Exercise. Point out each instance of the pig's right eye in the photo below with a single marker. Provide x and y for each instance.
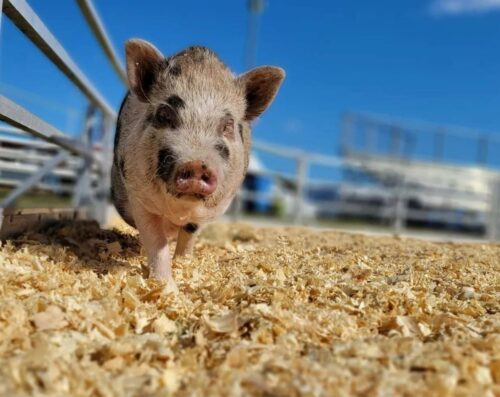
(165, 117)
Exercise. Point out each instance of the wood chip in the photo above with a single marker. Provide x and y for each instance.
(51, 318)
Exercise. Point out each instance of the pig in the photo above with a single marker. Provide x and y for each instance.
(182, 143)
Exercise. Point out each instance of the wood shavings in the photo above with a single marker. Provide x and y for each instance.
(281, 312)
(51, 318)
(223, 324)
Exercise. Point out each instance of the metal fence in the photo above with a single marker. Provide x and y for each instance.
(22, 157)
(374, 135)
(91, 160)
(393, 193)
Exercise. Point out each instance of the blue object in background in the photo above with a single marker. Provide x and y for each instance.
(261, 185)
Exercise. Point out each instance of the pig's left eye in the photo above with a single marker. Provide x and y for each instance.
(228, 128)
(165, 117)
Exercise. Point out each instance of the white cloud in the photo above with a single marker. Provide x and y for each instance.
(456, 7)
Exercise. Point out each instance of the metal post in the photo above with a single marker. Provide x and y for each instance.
(104, 182)
(238, 205)
(395, 141)
(346, 135)
(371, 138)
(255, 7)
(302, 165)
(409, 145)
(400, 206)
(482, 149)
(82, 196)
(96, 25)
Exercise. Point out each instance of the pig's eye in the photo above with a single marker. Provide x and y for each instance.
(165, 117)
(228, 128)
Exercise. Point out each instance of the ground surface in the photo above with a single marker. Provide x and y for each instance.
(266, 312)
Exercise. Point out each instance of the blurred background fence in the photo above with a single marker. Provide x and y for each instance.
(392, 176)
(65, 166)
(387, 190)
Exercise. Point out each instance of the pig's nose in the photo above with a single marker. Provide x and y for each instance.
(195, 177)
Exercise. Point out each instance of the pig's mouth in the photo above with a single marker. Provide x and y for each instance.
(189, 196)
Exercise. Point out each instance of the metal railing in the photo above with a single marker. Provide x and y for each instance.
(366, 134)
(93, 159)
(394, 197)
(21, 158)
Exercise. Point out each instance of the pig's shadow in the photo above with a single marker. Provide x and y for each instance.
(100, 250)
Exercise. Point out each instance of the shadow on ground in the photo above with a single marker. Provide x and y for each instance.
(97, 249)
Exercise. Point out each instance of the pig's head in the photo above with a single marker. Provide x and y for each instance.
(194, 119)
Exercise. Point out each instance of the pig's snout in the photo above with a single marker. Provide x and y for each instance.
(195, 177)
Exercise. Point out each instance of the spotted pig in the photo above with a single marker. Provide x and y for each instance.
(182, 143)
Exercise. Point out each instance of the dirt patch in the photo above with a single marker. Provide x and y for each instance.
(265, 312)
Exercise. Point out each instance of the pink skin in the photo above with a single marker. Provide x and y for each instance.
(195, 178)
(151, 229)
(192, 178)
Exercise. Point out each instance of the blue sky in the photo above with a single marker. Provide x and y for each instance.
(432, 60)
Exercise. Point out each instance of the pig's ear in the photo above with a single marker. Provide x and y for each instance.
(261, 85)
(143, 64)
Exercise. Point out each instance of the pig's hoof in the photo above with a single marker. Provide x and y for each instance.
(159, 275)
(171, 287)
(160, 272)
(182, 256)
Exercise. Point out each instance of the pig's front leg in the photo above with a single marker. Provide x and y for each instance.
(155, 243)
(186, 239)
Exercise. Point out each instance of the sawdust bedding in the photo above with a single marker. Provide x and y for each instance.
(265, 312)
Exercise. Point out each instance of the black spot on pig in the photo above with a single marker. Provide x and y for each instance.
(190, 228)
(165, 116)
(175, 101)
(122, 167)
(240, 130)
(166, 164)
(223, 150)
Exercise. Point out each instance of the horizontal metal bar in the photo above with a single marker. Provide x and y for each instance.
(97, 27)
(277, 150)
(32, 150)
(23, 16)
(26, 168)
(432, 216)
(41, 186)
(457, 197)
(31, 157)
(26, 140)
(343, 208)
(384, 212)
(33, 179)
(409, 191)
(425, 127)
(274, 175)
(16, 115)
